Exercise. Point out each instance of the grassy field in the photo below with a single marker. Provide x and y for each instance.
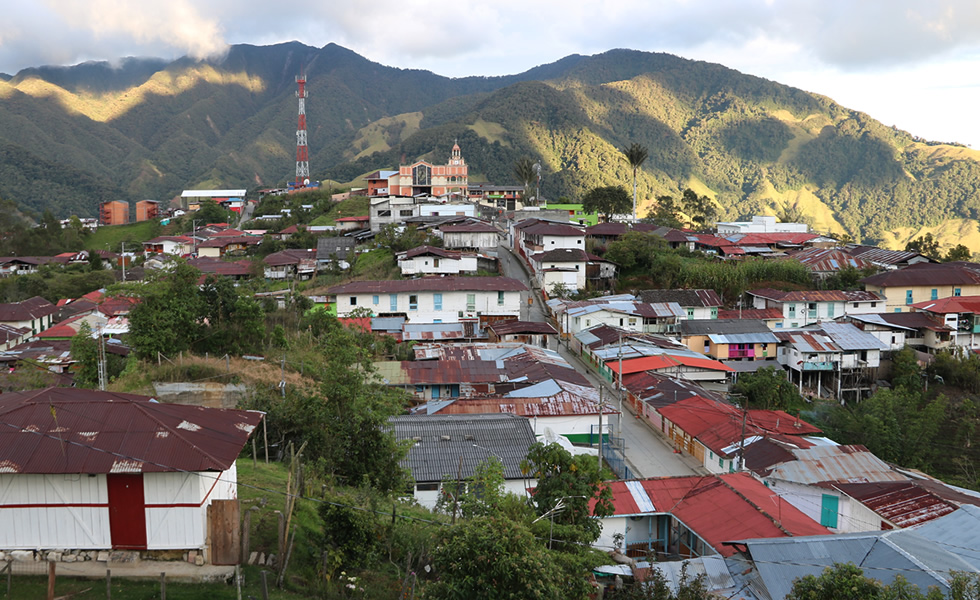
(112, 235)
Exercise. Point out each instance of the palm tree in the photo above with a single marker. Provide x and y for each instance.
(525, 172)
(636, 155)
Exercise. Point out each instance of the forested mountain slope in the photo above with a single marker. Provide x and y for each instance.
(72, 137)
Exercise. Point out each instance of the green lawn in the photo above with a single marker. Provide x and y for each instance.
(110, 236)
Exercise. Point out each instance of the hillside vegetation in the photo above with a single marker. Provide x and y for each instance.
(72, 137)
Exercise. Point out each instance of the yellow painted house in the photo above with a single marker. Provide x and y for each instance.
(924, 281)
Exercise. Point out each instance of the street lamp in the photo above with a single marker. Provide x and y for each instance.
(559, 506)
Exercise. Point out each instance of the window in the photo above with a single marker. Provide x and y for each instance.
(427, 487)
(855, 305)
(435, 262)
(934, 294)
(393, 301)
(898, 310)
(437, 301)
(500, 298)
(874, 304)
(957, 291)
(792, 311)
(384, 213)
(779, 325)
(353, 300)
(690, 314)
(721, 462)
(470, 302)
(405, 213)
(714, 312)
(413, 302)
(828, 510)
(376, 299)
(908, 296)
(830, 310)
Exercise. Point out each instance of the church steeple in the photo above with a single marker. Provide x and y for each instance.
(457, 158)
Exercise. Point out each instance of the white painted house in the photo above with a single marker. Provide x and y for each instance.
(806, 307)
(561, 266)
(34, 314)
(433, 299)
(429, 260)
(474, 235)
(535, 235)
(92, 470)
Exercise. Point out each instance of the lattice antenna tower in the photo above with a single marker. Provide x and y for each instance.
(302, 150)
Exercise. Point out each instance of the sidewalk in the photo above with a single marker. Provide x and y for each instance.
(648, 452)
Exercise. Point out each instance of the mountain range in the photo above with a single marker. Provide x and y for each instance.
(71, 137)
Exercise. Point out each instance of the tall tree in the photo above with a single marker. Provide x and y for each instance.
(85, 353)
(566, 485)
(526, 173)
(636, 155)
(700, 209)
(608, 200)
(665, 213)
(167, 318)
(767, 388)
(925, 245)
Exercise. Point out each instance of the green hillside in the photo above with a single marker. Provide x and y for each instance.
(72, 137)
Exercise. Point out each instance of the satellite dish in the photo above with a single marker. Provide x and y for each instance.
(306, 181)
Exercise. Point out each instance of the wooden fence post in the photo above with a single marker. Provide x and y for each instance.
(51, 577)
(163, 586)
(265, 585)
(108, 584)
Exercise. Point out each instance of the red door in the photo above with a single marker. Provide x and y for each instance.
(127, 512)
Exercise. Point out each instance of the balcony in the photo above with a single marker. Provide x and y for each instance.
(741, 353)
(817, 366)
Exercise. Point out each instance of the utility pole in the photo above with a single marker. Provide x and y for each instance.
(600, 428)
(741, 443)
(619, 385)
(123, 251)
(101, 358)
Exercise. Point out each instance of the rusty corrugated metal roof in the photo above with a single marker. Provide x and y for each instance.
(902, 502)
(66, 430)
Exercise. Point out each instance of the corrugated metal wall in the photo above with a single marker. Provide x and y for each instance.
(66, 511)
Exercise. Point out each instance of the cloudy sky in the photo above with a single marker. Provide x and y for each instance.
(910, 63)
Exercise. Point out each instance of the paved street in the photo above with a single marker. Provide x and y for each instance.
(648, 454)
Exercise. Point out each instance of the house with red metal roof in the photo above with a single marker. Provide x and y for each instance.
(291, 264)
(220, 245)
(173, 245)
(430, 260)
(92, 470)
(805, 307)
(686, 517)
(825, 262)
(959, 316)
(434, 299)
(813, 474)
(922, 282)
(715, 433)
(35, 314)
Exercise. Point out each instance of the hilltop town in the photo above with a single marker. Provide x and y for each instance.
(657, 396)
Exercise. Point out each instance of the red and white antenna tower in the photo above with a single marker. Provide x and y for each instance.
(302, 151)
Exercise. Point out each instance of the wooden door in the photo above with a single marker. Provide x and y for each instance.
(224, 530)
(127, 511)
